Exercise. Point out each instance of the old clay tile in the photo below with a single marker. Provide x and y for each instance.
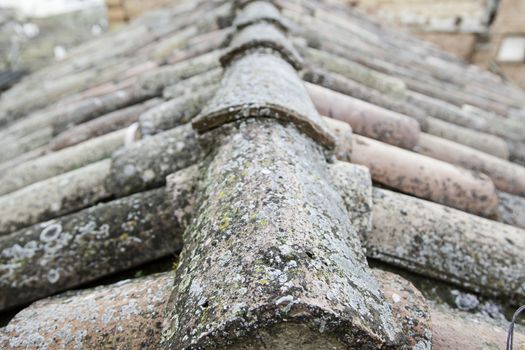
(272, 90)
(60, 162)
(426, 177)
(110, 237)
(127, 314)
(47, 199)
(260, 163)
(349, 87)
(507, 176)
(433, 240)
(259, 11)
(145, 164)
(482, 141)
(104, 124)
(511, 209)
(261, 35)
(365, 118)
(253, 257)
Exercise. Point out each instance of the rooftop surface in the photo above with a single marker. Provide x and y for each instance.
(261, 175)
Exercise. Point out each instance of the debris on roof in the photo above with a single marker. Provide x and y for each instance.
(283, 148)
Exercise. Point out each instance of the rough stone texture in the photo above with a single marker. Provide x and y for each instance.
(354, 71)
(354, 184)
(426, 177)
(53, 197)
(152, 83)
(124, 315)
(273, 89)
(365, 118)
(344, 140)
(479, 140)
(145, 164)
(107, 123)
(66, 252)
(453, 329)
(188, 86)
(260, 35)
(175, 112)
(409, 308)
(60, 162)
(289, 268)
(511, 209)
(259, 11)
(506, 176)
(349, 87)
(443, 243)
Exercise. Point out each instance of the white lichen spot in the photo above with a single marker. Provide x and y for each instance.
(130, 309)
(18, 252)
(288, 301)
(51, 232)
(148, 175)
(53, 276)
(108, 315)
(129, 170)
(285, 299)
(238, 308)
(195, 288)
(396, 298)
(331, 295)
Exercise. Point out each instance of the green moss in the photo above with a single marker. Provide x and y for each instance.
(204, 315)
(123, 236)
(175, 265)
(225, 222)
(24, 263)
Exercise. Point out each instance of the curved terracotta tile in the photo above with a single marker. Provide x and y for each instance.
(477, 254)
(506, 176)
(365, 118)
(426, 177)
(479, 140)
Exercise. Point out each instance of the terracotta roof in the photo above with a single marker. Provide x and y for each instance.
(313, 168)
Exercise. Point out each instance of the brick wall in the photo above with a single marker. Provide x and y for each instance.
(121, 11)
(475, 30)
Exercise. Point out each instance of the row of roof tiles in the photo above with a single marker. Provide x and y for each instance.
(57, 162)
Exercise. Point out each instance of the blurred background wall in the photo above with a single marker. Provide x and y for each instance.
(489, 33)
